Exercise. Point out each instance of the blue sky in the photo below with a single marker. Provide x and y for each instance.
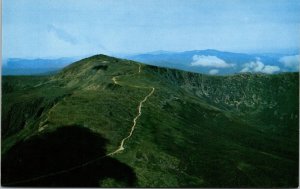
(62, 28)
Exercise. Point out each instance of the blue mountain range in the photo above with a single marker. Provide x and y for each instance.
(218, 62)
(201, 61)
(19, 66)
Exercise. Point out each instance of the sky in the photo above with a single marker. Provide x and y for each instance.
(65, 28)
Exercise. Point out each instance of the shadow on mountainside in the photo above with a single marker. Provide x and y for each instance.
(63, 149)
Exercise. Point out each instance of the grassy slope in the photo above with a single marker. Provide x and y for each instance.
(195, 130)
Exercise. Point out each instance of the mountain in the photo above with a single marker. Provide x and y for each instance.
(208, 61)
(19, 66)
(221, 63)
(111, 122)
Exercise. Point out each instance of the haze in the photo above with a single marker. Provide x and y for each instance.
(63, 28)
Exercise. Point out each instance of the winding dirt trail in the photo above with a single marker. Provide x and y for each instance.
(115, 80)
(121, 147)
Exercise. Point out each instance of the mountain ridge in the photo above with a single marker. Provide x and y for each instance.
(286, 62)
(218, 121)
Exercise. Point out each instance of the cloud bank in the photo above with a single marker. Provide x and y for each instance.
(213, 71)
(291, 61)
(258, 66)
(209, 61)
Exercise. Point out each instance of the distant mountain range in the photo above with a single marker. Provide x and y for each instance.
(200, 61)
(19, 66)
(219, 62)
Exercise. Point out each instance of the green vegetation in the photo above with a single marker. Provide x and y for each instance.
(194, 131)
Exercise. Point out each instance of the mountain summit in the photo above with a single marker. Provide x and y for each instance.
(111, 122)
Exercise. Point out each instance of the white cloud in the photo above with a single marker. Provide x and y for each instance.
(291, 61)
(270, 69)
(258, 66)
(213, 71)
(209, 61)
(246, 69)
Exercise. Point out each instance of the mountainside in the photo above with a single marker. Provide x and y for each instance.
(111, 122)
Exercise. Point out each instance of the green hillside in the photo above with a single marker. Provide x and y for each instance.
(177, 129)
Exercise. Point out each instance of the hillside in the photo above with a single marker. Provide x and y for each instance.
(111, 122)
